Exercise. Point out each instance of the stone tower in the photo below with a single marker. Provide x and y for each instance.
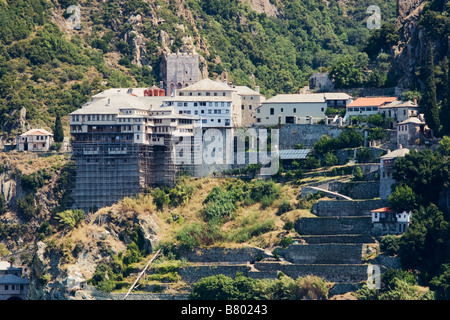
(180, 70)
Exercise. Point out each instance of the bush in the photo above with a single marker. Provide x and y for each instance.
(331, 159)
(285, 206)
(160, 198)
(70, 219)
(358, 174)
(27, 206)
(221, 287)
(390, 244)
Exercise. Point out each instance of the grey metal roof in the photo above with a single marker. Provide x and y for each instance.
(293, 154)
(12, 279)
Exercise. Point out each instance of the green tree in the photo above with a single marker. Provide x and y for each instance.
(160, 198)
(70, 219)
(358, 174)
(445, 105)
(58, 132)
(429, 99)
(425, 245)
(3, 207)
(345, 74)
(402, 198)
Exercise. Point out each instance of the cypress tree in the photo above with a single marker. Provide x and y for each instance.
(429, 100)
(58, 134)
(445, 106)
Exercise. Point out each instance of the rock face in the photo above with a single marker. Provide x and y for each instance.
(410, 52)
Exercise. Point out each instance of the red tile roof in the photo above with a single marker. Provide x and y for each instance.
(371, 102)
(385, 209)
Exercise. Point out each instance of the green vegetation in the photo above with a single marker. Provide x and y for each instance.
(219, 207)
(349, 138)
(395, 285)
(221, 287)
(421, 178)
(70, 219)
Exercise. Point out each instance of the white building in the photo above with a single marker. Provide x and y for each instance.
(13, 286)
(127, 116)
(35, 140)
(399, 111)
(306, 108)
(386, 221)
(213, 103)
(367, 106)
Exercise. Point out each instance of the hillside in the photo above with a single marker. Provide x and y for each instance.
(47, 67)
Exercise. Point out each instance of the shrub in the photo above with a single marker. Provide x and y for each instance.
(160, 198)
(331, 159)
(27, 206)
(70, 219)
(390, 244)
(285, 206)
(358, 174)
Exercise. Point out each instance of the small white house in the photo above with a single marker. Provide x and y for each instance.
(386, 221)
(34, 140)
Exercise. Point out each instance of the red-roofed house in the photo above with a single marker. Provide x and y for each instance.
(387, 221)
(34, 140)
(367, 106)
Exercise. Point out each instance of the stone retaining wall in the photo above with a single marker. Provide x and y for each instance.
(192, 274)
(334, 273)
(218, 254)
(351, 238)
(332, 208)
(332, 253)
(334, 225)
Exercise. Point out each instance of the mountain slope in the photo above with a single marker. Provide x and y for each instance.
(47, 67)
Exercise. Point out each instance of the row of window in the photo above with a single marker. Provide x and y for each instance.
(215, 111)
(202, 104)
(359, 109)
(227, 121)
(206, 94)
(8, 287)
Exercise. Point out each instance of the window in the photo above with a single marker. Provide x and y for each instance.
(283, 110)
(295, 110)
(137, 137)
(322, 109)
(219, 121)
(196, 112)
(242, 107)
(258, 119)
(204, 120)
(272, 111)
(185, 104)
(195, 104)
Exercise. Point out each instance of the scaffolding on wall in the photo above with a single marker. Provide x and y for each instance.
(109, 172)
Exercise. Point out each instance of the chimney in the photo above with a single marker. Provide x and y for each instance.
(257, 89)
(400, 146)
(415, 101)
(109, 102)
(161, 84)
